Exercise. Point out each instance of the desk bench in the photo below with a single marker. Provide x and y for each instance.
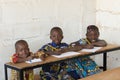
(113, 74)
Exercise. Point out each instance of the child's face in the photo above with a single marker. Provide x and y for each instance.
(22, 50)
(56, 36)
(92, 36)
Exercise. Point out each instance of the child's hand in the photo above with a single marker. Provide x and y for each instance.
(36, 55)
(89, 46)
(29, 58)
(58, 52)
(42, 57)
(75, 48)
(40, 54)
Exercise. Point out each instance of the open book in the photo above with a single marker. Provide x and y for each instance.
(34, 60)
(66, 54)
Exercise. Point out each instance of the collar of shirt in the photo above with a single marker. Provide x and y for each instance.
(61, 45)
(55, 45)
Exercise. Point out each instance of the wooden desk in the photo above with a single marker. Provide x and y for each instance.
(50, 60)
(113, 74)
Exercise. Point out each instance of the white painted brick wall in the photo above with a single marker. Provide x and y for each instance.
(108, 20)
(32, 20)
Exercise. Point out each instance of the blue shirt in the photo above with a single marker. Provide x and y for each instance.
(52, 46)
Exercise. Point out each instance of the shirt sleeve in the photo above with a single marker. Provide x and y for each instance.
(14, 58)
(64, 45)
(44, 48)
(82, 41)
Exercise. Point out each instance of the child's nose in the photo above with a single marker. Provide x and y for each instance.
(92, 37)
(57, 37)
(23, 51)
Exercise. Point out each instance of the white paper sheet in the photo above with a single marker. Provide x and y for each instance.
(66, 54)
(91, 50)
(34, 60)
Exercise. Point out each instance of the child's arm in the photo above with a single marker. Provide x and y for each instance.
(63, 50)
(16, 59)
(85, 46)
(100, 43)
(58, 52)
(40, 54)
(24, 59)
(30, 57)
(75, 48)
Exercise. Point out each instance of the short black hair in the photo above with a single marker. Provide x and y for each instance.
(20, 42)
(57, 29)
(92, 28)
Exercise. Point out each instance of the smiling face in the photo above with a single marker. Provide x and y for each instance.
(22, 49)
(92, 33)
(92, 36)
(56, 35)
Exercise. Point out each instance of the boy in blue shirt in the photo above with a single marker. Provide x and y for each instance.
(61, 70)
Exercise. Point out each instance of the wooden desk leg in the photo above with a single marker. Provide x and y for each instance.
(6, 76)
(104, 61)
(21, 75)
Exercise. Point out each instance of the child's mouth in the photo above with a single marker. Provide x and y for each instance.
(93, 40)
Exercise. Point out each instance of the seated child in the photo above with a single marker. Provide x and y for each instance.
(91, 40)
(22, 54)
(57, 71)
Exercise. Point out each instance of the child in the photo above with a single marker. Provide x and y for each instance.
(91, 40)
(57, 71)
(22, 54)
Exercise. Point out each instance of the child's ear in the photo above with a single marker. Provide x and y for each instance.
(50, 36)
(86, 34)
(28, 49)
(62, 37)
(98, 34)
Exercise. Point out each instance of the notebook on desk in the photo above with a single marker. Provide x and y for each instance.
(91, 50)
(34, 60)
(66, 54)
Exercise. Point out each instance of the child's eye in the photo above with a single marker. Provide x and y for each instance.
(53, 36)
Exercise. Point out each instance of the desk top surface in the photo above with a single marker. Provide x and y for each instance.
(113, 74)
(50, 59)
